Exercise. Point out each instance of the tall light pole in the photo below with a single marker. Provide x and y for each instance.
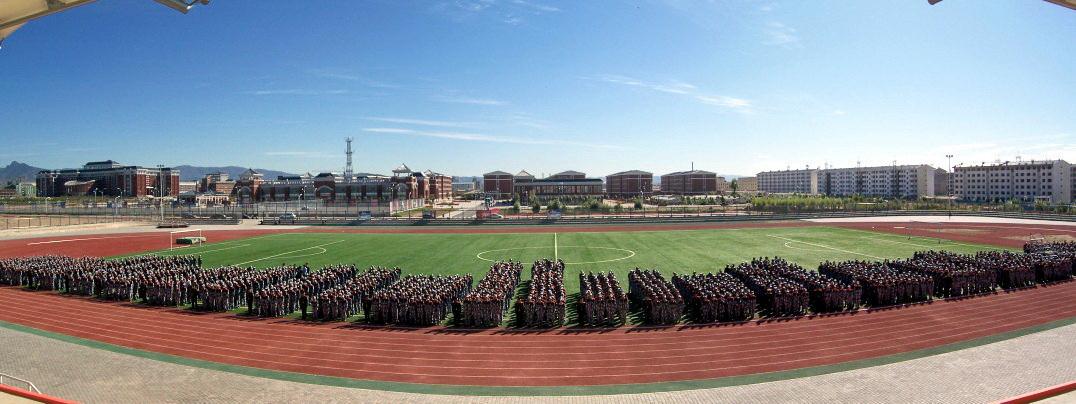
(949, 184)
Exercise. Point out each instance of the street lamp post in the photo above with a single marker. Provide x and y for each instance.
(949, 185)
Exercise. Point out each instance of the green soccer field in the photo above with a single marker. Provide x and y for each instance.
(668, 251)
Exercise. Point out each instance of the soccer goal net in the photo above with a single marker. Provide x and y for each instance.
(182, 238)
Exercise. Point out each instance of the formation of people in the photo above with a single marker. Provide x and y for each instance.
(544, 303)
(766, 286)
(418, 300)
(774, 294)
(347, 299)
(601, 300)
(657, 298)
(487, 303)
(716, 297)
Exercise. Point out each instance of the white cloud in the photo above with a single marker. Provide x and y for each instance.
(677, 87)
(470, 100)
(422, 122)
(779, 34)
(348, 76)
(478, 137)
(536, 6)
(298, 92)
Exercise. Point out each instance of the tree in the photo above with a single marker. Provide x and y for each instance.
(638, 203)
(515, 206)
(734, 186)
(554, 205)
(535, 206)
(618, 208)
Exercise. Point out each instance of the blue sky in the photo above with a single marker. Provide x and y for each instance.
(470, 86)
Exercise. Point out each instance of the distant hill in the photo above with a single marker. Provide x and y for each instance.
(16, 171)
(194, 173)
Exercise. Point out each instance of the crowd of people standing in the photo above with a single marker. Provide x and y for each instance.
(544, 303)
(657, 298)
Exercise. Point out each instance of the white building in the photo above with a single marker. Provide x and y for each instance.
(907, 181)
(788, 182)
(1049, 181)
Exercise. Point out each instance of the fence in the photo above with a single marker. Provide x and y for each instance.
(663, 217)
(8, 222)
(5, 380)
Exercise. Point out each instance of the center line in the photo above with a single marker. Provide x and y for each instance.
(555, 255)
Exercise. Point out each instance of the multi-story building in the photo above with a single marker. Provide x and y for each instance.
(629, 183)
(723, 186)
(941, 182)
(188, 187)
(440, 185)
(747, 184)
(907, 181)
(694, 182)
(498, 183)
(1029, 181)
(788, 181)
(337, 188)
(562, 184)
(26, 189)
(109, 178)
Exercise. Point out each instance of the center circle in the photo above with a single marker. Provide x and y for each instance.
(626, 253)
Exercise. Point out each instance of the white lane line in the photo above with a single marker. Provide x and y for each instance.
(556, 256)
(289, 252)
(899, 242)
(81, 239)
(826, 246)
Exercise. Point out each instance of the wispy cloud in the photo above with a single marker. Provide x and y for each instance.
(479, 137)
(335, 74)
(779, 34)
(469, 100)
(512, 12)
(422, 122)
(298, 92)
(1043, 147)
(677, 87)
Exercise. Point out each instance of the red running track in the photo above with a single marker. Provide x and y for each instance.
(551, 358)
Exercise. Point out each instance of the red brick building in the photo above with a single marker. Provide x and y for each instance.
(694, 182)
(629, 183)
(498, 183)
(109, 178)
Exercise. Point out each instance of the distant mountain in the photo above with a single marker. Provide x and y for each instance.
(194, 173)
(17, 171)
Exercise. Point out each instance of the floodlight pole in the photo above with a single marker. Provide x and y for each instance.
(949, 185)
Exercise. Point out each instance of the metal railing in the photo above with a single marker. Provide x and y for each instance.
(29, 385)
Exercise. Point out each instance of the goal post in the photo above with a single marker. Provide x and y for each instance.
(187, 237)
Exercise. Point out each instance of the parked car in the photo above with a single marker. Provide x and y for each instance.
(288, 216)
(365, 215)
(429, 214)
(496, 216)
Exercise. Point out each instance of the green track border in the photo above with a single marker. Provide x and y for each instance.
(546, 391)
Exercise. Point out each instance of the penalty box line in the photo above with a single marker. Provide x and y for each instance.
(825, 246)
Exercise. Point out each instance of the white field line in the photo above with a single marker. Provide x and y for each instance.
(81, 239)
(556, 256)
(188, 249)
(219, 249)
(825, 246)
(289, 252)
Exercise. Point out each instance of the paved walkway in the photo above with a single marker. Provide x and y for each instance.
(981, 374)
